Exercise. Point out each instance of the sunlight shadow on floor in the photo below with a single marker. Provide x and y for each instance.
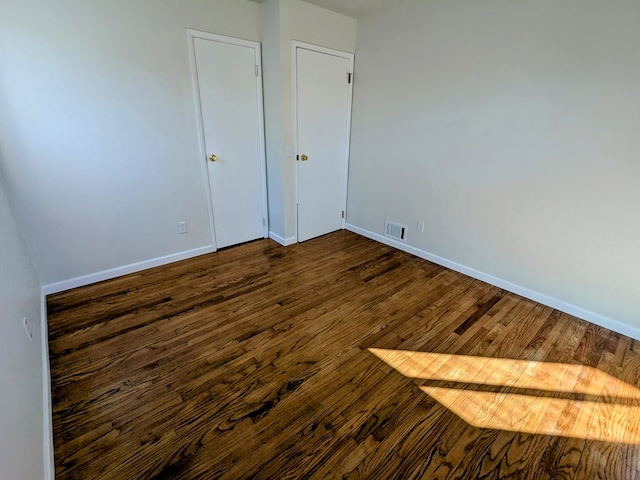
(525, 396)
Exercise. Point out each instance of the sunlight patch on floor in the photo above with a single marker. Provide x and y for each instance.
(526, 396)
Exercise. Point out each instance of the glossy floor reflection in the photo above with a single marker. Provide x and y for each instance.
(526, 396)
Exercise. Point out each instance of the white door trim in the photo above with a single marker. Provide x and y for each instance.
(191, 35)
(295, 45)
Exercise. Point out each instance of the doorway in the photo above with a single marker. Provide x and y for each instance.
(228, 90)
(323, 92)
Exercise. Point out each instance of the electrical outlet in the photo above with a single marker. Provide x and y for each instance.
(27, 328)
(182, 227)
(420, 226)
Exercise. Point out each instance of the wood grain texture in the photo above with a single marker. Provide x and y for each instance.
(254, 362)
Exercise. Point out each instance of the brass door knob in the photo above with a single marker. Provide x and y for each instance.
(304, 158)
(213, 157)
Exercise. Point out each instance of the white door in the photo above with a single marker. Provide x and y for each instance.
(231, 111)
(323, 110)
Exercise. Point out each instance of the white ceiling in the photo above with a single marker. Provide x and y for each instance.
(352, 8)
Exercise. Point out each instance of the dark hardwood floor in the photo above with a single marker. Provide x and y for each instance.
(261, 361)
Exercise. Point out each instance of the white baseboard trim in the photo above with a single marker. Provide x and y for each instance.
(47, 409)
(124, 270)
(281, 240)
(547, 300)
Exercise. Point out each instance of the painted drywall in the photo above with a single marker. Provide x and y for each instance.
(319, 26)
(21, 387)
(284, 21)
(98, 137)
(511, 129)
(274, 137)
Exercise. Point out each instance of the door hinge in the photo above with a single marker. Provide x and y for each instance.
(257, 71)
(342, 213)
(349, 77)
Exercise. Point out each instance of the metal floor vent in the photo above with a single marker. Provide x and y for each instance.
(395, 230)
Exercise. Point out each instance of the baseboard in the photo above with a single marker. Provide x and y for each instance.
(547, 300)
(124, 270)
(47, 410)
(281, 240)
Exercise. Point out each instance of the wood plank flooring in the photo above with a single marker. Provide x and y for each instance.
(267, 362)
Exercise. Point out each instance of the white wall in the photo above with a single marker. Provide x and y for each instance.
(21, 395)
(270, 23)
(511, 129)
(98, 132)
(282, 22)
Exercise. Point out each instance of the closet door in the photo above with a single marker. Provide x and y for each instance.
(230, 101)
(323, 111)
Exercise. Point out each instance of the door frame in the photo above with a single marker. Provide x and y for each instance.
(295, 45)
(191, 36)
